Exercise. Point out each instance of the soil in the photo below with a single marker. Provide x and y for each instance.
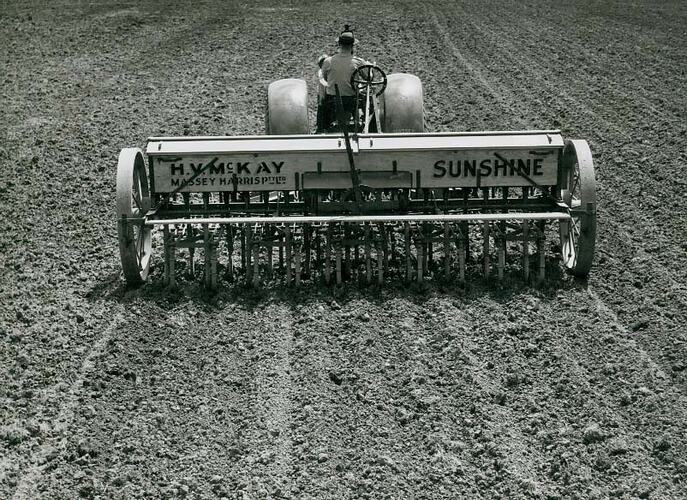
(576, 389)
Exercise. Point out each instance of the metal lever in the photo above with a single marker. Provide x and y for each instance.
(341, 119)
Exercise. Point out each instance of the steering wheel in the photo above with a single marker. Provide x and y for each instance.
(368, 74)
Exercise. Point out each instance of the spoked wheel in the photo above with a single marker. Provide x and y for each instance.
(578, 235)
(133, 201)
(368, 75)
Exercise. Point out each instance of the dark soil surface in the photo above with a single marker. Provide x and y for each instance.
(572, 390)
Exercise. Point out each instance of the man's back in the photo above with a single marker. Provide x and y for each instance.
(337, 70)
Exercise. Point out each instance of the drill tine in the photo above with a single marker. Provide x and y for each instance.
(502, 255)
(526, 250)
(297, 259)
(461, 257)
(485, 256)
(368, 255)
(256, 264)
(288, 251)
(447, 252)
(328, 255)
(420, 260)
(230, 251)
(281, 250)
(380, 264)
(409, 269)
(338, 266)
(541, 252)
(306, 250)
(270, 255)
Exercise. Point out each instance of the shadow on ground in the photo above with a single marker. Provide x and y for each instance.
(112, 288)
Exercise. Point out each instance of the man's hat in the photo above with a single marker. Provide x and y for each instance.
(346, 37)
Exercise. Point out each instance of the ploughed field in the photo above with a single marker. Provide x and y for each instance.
(574, 389)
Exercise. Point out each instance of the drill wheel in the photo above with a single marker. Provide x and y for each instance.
(133, 201)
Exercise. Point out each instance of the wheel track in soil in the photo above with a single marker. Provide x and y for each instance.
(515, 448)
(276, 402)
(514, 445)
(416, 344)
(261, 408)
(476, 385)
(261, 413)
(570, 350)
(321, 427)
(264, 406)
(647, 372)
(368, 379)
(31, 476)
(667, 274)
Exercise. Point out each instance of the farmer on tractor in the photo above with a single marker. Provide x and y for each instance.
(337, 70)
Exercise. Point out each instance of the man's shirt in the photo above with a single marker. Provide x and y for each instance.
(337, 70)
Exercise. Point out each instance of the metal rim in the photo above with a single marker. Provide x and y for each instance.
(133, 201)
(578, 235)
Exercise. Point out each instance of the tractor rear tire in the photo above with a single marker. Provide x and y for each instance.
(287, 107)
(403, 107)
